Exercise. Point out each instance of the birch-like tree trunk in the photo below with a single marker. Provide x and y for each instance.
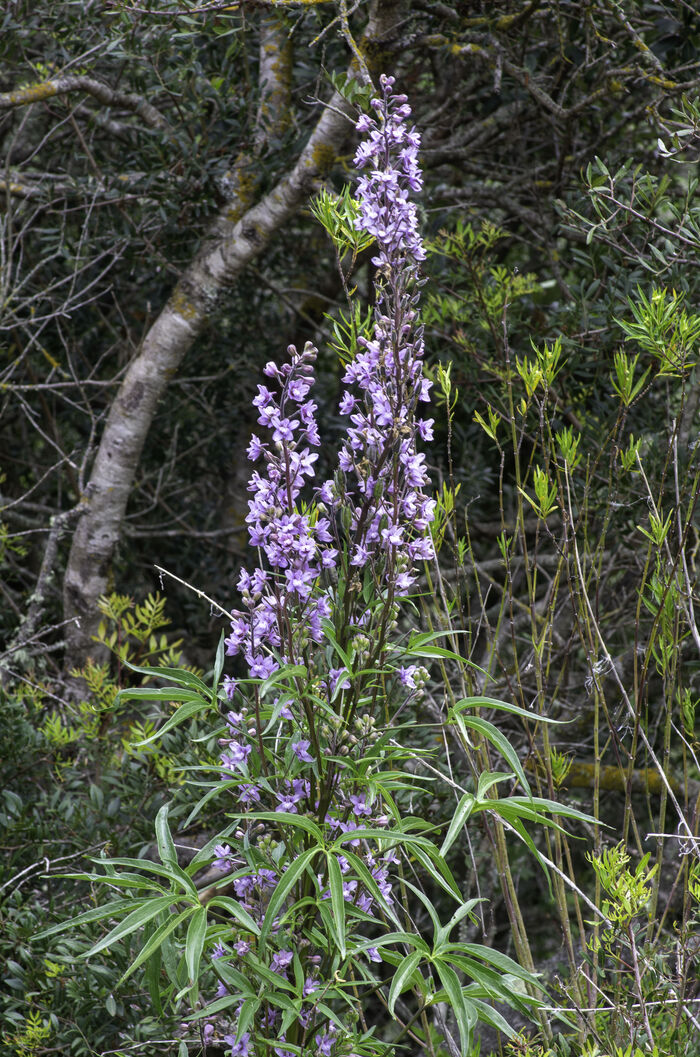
(239, 233)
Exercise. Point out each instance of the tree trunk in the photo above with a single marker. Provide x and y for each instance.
(239, 233)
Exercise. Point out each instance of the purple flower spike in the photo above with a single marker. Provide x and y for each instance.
(291, 544)
(388, 505)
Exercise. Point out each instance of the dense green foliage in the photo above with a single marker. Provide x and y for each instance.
(560, 143)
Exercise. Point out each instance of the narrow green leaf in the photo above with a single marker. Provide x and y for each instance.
(236, 910)
(504, 706)
(219, 662)
(402, 977)
(465, 1014)
(335, 881)
(370, 884)
(156, 940)
(185, 711)
(248, 1010)
(499, 960)
(462, 813)
(158, 693)
(288, 818)
(110, 910)
(178, 675)
(131, 923)
(438, 870)
(284, 887)
(492, 734)
(488, 779)
(194, 943)
(412, 939)
(443, 933)
(166, 847)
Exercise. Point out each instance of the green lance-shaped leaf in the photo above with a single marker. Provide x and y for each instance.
(130, 924)
(497, 739)
(464, 1012)
(335, 882)
(156, 940)
(194, 943)
(166, 846)
(462, 812)
(284, 887)
(402, 977)
(190, 708)
(503, 706)
(110, 910)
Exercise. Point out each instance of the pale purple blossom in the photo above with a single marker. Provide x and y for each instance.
(301, 751)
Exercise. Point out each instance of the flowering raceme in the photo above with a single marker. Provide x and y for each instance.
(390, 511)
(296, 549)
(383, 474)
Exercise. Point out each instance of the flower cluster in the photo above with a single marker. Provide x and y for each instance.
(280, 598)
(390, 513)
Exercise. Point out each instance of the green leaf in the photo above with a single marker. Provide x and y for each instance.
(335, 881)
(157, 693)
(288, 818)
(131, 923)
(491, 1016)
(248, 1010)
(412, 939)
(185, 711)
(219, 662)
(499, 960)
(402, 977)
(504, 706)
(194, 943)
(236, 910)
(462, 812)
(438, 870)
(370, 884)
(284, 887)
(492, 734)
(166, 847)
(171, 872)
(178, 675)
(444, 931)
(488, 779)
(110, 910)
(464, 1012)
(156, 940)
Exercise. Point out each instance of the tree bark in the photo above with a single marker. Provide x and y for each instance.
(239, 233)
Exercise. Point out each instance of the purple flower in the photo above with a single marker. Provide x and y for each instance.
(248, 793)
(324, 1044)
(240, 1044)
(242, 947)
(310, 985)
(281, 961)
(218, 952)
(301, 751)
(373, 954)
(359, 805)
(287, 802)
(222, 862)
(221, 990)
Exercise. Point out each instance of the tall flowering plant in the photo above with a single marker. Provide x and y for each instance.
(315, 928)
